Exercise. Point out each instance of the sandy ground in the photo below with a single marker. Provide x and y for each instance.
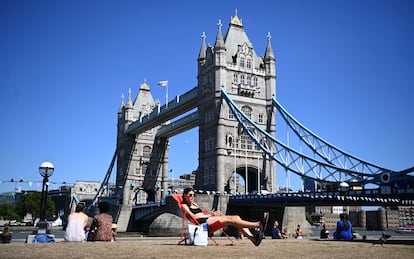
(168, 248)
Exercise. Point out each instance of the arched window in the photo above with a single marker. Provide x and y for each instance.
(242, 79)
(247, 110)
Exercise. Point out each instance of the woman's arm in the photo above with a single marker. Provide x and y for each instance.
(199, 215)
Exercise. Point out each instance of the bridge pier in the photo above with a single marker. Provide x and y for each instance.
(294, 216)
(124, 217)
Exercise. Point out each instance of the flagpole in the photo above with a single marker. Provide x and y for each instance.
(245, 170)
(165, 83)
(166, 96)
(235, 162)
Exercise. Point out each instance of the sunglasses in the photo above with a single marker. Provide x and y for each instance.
(191, 195)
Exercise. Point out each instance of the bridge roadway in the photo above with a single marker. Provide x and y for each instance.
(370, 197)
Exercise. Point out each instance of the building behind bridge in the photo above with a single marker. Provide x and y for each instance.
(381, 219)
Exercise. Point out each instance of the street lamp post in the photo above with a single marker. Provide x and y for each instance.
(46, 169)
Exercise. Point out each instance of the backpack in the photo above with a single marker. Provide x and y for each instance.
(43, 238)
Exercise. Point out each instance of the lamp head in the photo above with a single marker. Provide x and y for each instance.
(46, 169)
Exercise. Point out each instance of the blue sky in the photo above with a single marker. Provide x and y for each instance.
(344, 70)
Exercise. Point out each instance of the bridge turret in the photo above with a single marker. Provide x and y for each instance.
(232, 64)
(270, 70)
(202, 55)
(129, 108)
(219, 45)
(219, 61)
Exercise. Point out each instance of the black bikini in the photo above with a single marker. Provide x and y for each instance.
(198, 210)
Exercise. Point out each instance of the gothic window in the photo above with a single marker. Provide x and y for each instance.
(212, 144)
(242, 62)
(231, 116)
(208, 144)
(247, 110)
(249, 144)
(146, 152)
(246, 142)
(249, 80)
(243, 141)
(206, 172)
(255, 81)
(209, 116)
(249, 63)
(235, 78)
(230, 141)
(260, 118)
(242, 79)
(212, 172)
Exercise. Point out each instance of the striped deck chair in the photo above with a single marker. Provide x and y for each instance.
(211, 228)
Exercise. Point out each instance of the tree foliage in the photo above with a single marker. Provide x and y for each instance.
(8, 212)
(31, 202)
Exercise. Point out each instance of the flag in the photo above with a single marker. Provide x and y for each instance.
(163, 83)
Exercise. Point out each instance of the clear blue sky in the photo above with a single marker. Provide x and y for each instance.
(345, 70)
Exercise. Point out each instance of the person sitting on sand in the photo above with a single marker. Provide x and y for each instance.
(343, 228)
(77, 221)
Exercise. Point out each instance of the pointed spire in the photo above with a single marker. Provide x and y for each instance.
(129, 102)
(202, 54)
(269, 51)
(219, 40)
(144, 86)
(235, 20)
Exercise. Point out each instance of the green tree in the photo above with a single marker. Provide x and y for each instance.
(8, 212)
(31, 202)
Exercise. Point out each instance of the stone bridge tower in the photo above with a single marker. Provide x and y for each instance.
(226, 153)
(142, 159)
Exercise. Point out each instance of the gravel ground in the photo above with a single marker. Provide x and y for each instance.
(168, 248)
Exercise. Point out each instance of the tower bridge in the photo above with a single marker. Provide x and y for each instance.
(234, 105)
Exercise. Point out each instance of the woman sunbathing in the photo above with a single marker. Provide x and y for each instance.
(194, 211)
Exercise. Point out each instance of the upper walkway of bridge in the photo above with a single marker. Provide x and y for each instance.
(161, 114)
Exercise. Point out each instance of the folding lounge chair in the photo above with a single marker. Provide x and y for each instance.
(211, 228)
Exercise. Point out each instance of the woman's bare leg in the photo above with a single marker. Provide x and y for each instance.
(234, 221)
